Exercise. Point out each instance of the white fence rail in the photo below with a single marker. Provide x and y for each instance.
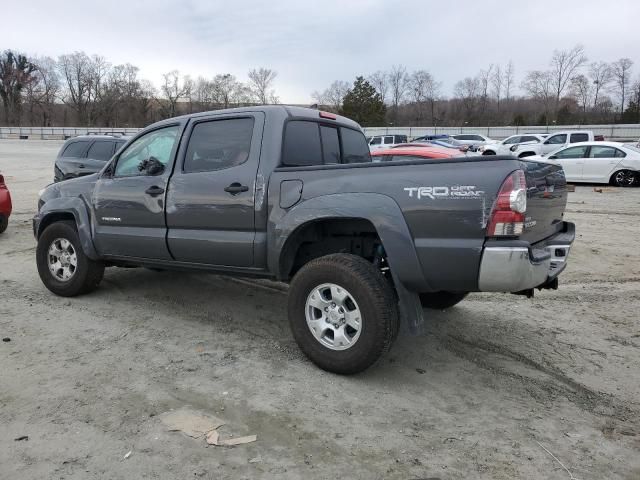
(610, 132)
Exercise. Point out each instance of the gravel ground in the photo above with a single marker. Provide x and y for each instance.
(499, 386)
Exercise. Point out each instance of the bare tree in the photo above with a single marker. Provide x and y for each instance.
(228, 90)
(600, 75)
(16, 73)
(173, 89)
(621, 70)
(42, 93)
(509, 80)
(541, 86)
(484, 80)
(582, 89)
(424, 91)
(564, 64)
(497, 83)
(380, 81)
(398, 85)
(261, 83)
(75, 72)
(332, 96)
(467, 90)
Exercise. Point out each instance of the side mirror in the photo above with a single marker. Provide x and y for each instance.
(151, 166)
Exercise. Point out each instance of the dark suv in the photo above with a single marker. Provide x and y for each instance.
(85, 155)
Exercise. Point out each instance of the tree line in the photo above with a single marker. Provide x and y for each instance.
(78, 89)
(571, 90)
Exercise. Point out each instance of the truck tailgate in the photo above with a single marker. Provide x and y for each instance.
(546, 199)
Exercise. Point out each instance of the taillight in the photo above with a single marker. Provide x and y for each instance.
(507, 215)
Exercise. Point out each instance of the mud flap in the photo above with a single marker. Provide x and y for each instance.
(411, 310)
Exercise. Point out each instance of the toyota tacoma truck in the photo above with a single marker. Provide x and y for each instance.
(291, 194)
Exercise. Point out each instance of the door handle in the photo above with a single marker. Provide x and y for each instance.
(154, 191)
(236, 188)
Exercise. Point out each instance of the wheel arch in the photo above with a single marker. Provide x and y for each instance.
(380, 213)
(71, 209)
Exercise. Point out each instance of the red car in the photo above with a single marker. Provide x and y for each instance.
(416, 152)
(5, 205)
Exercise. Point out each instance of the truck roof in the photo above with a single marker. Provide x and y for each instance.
(286, 110)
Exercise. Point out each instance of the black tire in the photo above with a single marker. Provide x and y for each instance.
(489, 152)
(88, 273)
(4, 223)
(441, 300)
(624, 178)
(372, 293)
(526, 154)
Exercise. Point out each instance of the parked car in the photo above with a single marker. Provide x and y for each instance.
(553, 142)
(472, 138)
(84, 155)
(291, 194)
(600, 162)
(445, 142)
(386, 141)
(507, 146)
(413, 152)
(5, 204)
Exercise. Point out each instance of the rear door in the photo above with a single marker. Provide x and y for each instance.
(129, 198)
(601, 163)
(210, 204)
(572, 160)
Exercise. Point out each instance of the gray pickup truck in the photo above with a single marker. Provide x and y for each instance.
(291, 194)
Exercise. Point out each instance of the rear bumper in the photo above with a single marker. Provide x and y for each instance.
(519, 266)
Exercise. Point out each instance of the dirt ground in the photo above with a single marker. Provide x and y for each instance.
(499, 386)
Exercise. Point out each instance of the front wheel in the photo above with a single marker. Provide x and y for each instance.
(441, 300)
(62, 265)
(343, 313)
(624, 178)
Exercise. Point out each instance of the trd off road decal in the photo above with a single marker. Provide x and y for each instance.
(452, 192)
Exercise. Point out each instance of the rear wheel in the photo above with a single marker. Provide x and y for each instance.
(4, 223)
(488, 152)
(441, 300)
(343, 313)
(624, 178)
(62, 265)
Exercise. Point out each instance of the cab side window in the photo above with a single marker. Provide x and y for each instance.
(100, 150)
(376, 141)
(556, 139)
(157, 144)
(219, 144)
(75, 149)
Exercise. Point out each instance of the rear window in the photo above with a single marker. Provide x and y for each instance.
(354, 147)
(579, 137)
(75, 149)
(311, 143)
(100, 150)
(330, 144)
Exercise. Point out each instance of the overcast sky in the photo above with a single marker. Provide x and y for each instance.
(311, 43)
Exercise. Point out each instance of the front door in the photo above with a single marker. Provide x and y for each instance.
(129, 198)
(212, 193)
(572, 161)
